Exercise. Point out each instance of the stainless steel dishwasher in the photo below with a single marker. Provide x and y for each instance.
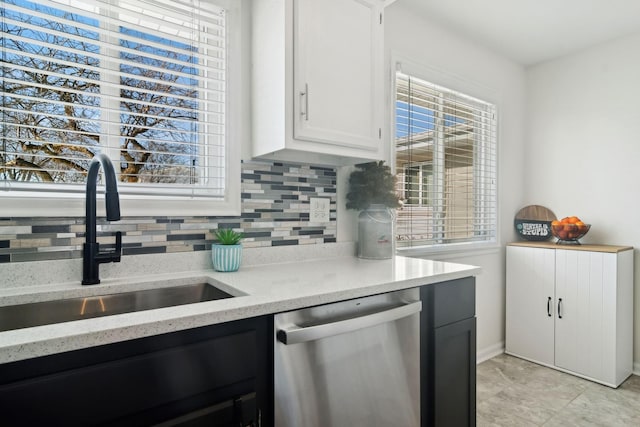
(353, 363)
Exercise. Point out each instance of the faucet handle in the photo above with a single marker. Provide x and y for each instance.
(118, 251)
(108, 256)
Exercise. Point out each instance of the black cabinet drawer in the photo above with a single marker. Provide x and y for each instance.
(449, 302)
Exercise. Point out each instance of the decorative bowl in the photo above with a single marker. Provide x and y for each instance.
(569, 234)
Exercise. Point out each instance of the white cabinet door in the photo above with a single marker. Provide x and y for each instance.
(586, 311)
(338, 83)
(530, 303)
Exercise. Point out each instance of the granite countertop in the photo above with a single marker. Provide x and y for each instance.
(258, 290)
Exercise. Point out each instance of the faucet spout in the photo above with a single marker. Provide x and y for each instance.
(92, 257)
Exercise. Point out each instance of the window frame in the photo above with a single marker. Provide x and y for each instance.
(58, 203)
(464, 86)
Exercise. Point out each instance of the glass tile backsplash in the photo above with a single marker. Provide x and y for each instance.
(275, 212)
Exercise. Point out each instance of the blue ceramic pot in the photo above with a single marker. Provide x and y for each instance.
(226, 257)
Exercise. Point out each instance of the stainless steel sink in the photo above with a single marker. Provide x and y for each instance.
(65, 310)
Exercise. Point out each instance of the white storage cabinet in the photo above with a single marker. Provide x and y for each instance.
(317, 80)
(571, 308)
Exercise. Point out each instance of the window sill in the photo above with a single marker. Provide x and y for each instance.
(445, 252)
(74, 206)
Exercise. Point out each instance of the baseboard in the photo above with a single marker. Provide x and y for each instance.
(636, 368)
(491, 351)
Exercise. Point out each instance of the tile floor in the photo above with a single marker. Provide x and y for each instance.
(513, 392)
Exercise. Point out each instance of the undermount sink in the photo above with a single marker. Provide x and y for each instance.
(65, 310)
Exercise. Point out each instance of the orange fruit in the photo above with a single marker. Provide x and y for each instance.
(573, 220)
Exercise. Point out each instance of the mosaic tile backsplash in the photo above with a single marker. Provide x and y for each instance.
(275, 212)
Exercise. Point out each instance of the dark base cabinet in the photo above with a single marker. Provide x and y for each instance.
(216, 376)
(448, 354)
(222, 375)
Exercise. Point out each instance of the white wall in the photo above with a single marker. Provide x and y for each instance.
(583, 147)
(429, 45)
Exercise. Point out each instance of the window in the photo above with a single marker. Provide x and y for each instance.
(144, 81)
(445, 147)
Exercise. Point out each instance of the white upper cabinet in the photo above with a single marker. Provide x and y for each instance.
(336, 77)
(317, 80)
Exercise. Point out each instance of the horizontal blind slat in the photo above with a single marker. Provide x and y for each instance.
(176, 21)
(197, 69)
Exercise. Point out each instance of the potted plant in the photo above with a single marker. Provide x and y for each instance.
(226, 254)
(372, 190)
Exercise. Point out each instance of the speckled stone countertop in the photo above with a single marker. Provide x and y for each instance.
(258, 290)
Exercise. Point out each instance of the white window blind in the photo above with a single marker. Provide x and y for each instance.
(140, 80)
(446, 157)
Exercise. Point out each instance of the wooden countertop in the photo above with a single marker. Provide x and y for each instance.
(588, 247)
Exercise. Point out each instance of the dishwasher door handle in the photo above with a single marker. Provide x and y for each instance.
(296, 334)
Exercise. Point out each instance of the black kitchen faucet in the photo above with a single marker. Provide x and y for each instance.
(92, 257)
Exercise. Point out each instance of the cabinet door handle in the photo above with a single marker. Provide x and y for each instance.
(549, 307)
(559, 308)
(305, 94)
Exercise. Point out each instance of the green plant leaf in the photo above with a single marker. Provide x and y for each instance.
(372, 184)
(227, 236)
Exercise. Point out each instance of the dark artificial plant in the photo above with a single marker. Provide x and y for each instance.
(226, 236)
(371, 184)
